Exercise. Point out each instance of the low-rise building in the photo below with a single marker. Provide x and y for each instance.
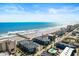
(67, 52)
(42, 40)
(28, 46)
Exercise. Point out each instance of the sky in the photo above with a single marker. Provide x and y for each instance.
(39, 12)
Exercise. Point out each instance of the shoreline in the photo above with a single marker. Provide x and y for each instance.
(41, 30)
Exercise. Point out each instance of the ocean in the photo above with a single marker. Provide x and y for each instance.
(19, 26)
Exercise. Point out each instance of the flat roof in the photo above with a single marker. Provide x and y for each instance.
(28, 43)
(67, 51)
(52, 50)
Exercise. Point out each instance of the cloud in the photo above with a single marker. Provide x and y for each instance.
(59, 18)
(17, 13)
(11, 9)
(52, 10)
(62, 10)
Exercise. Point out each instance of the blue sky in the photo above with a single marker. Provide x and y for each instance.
(34, 12)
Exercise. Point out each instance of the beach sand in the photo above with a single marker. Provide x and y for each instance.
(33, 33)
(39, 32)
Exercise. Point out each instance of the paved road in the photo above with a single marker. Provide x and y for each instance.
(64, 36)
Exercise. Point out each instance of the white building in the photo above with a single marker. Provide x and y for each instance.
(67, 52)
